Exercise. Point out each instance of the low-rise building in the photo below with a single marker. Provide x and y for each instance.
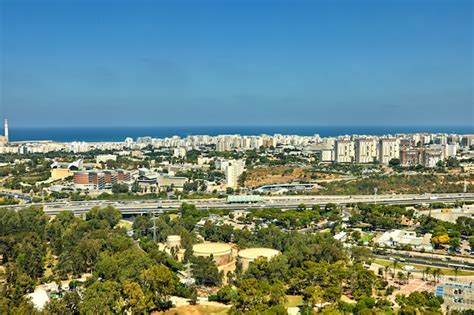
(395, 238)
(96, 180)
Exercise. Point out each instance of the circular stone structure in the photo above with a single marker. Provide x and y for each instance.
(222, 253)
(246, 256)
(173, 241)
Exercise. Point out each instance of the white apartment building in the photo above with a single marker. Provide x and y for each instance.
(179, 152)
(344, 151)
(325, 154)
(233, 170)
(389, 148)
(450, 150)
(103, 158)
(324, 151)
(365, 150)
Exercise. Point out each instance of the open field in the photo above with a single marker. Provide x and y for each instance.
(196, 310)
(294, 300)
(367, 237)
(260, 176)
(125, 224)
(399, 184)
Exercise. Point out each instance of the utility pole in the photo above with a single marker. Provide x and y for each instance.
(153, 218)
(375, 194)
(431, 207)
(464, 195)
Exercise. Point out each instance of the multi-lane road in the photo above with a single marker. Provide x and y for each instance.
(285, 202)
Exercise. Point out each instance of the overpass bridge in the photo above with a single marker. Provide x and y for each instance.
(285, 202)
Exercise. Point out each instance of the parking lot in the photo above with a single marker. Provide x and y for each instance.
(457, 296)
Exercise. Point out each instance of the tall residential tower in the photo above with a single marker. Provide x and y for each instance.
(6, 129)
(4, 138)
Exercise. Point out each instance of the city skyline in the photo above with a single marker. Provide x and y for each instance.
(204, 63)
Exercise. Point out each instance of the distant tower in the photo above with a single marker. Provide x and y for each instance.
(6, 129)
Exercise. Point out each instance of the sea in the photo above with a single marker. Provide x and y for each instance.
(96, 134)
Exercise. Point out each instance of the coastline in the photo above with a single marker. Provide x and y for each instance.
(117, 134)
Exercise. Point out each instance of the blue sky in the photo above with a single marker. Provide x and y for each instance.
(159, 63)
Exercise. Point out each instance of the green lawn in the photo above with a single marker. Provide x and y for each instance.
(197, 309)
(125, 224)
(367, 237)
(294, 300)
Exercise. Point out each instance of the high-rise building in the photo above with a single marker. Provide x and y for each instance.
(450, 150)
(389, 148)
(6, 130)
(233, 170)
(467, 140)
(344, 151)
(4, 138)
(365, 150)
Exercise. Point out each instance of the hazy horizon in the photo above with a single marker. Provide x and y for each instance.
(98, 134)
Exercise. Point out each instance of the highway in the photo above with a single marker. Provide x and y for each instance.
(284, 202)
(427, 262)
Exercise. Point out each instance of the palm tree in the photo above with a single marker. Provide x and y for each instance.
(437, 274)
(387, 269)
(401, 278)
(427, 273)
(409, 276)
(395, 264)
(456, 271)
(440, 273)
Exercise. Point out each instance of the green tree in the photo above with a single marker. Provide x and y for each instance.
(102, 298)
(225, 295)
(119, 188)
(110, 214)
(160, 283)
(258, 297)
(313, 296)
(455, 243)
(18, 283)
(56, 307)
(394, 162)
(205, 271)
(135, 299)
(141, 226)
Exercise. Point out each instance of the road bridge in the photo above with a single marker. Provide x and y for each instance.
(284, 202)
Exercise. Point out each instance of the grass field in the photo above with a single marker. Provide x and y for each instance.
(125, 224)
(197, 310)
(294, 300)
(367, 237)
